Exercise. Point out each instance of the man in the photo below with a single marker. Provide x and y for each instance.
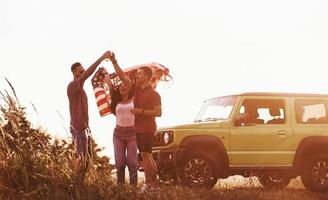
(78, 105)
(147, 107)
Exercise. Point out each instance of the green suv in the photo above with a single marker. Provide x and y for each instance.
(274, 136)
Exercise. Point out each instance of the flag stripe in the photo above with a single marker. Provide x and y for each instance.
(101, 97)
(101, 102)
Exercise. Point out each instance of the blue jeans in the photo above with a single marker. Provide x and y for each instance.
(125, 150)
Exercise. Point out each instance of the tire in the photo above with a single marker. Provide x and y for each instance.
(198, 170)
(166, 177)
(274, 181)
(315, 173)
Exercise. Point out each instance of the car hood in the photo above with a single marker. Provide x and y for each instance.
(198, 125)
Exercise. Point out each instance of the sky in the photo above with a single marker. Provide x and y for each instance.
(212, 48)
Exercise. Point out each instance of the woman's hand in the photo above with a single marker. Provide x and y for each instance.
(112, 57)
(136, 111)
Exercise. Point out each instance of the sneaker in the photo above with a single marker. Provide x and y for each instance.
(144, 188)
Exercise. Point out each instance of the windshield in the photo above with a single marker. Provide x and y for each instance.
(216, 109)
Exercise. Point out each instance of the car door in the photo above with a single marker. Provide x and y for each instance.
(266, 140)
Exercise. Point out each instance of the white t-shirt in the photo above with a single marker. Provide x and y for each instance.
(124, 117)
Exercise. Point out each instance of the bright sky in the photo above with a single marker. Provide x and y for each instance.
(212, 48)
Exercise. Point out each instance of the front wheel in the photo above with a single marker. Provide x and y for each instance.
(198, 170)
(315, 174)
(271, 181)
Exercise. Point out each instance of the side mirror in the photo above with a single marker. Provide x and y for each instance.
(241, 116)
(241, 120)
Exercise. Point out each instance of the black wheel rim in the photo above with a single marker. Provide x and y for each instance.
(320, 172)
(276, 179)
(197, 172)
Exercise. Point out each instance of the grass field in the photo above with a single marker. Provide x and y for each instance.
(229, 190)
(34, 166)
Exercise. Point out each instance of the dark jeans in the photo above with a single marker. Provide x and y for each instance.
(125, 150)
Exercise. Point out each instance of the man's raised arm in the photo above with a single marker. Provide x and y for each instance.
(93, 67)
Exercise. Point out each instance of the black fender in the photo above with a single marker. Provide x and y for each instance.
(207, 143)
(309, 146)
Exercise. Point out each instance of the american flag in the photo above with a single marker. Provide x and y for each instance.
(101, 92)
(160, 73)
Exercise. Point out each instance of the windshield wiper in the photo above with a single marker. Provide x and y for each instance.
(211, 119)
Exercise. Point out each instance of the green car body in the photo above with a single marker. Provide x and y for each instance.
(274, 136)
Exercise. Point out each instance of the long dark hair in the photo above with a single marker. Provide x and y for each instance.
(116, 97)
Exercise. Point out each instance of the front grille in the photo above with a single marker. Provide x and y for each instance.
(158, 139)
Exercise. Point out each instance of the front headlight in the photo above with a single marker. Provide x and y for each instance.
(166, 137)
(163, 138)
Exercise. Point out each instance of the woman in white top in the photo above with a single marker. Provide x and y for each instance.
(124, 138)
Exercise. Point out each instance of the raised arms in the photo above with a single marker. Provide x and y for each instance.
(93, 67)
(120, 72)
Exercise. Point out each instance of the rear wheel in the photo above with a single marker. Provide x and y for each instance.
(315, 174)
(198, 170)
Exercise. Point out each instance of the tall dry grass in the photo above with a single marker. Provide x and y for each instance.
(33, 166)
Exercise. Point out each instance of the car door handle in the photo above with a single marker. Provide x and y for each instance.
(282, 133)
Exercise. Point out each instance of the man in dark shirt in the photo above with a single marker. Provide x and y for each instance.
(78, 104)
(147, 107)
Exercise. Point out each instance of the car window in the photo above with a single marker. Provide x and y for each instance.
(261, 111)
(311, 111)
(264, 113)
